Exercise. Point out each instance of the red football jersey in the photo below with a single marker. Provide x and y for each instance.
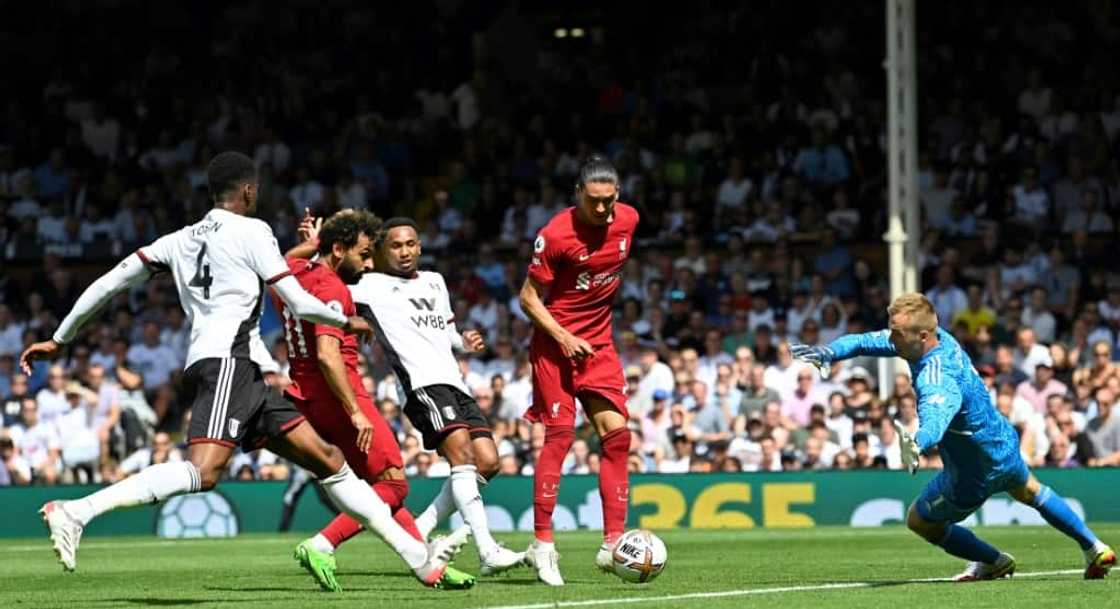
(308, 382)
(581, 265)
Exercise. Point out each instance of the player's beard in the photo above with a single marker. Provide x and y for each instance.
(348, 274)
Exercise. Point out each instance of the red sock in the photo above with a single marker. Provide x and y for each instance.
(546, 479)
(340, 529)
(393, 493)
(614, 482)
(404, 518)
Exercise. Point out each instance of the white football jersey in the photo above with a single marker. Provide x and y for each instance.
(221, 266)
(414, 324)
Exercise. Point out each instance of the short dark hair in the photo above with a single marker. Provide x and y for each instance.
(394, 222)
(345, 227)
(597, 169)
(227, 171)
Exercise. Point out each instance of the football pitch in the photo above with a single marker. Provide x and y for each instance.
(833, 567)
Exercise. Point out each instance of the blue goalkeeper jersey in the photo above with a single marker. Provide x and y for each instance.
(955, 411)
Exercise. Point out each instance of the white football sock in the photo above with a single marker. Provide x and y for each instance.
(357, 499)
(464, 487)
(153, 483)
(322, 544)
(439, 509)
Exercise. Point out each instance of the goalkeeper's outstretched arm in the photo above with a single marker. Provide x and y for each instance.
(876, 344)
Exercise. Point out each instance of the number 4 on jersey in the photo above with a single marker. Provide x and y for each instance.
(202, 278)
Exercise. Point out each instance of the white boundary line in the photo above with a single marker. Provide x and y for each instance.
(747, 592)
(124, 546)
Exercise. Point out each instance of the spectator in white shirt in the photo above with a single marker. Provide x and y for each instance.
(351, 193)
(272, 151)
(106, 411)
(51, 400)
(38, 443)
(1028, 352)
(1032, 203)
(484, 315)
(154, 360)
(1087, 216)
(95, 226)
(1039, 318)
(11, 332)
(307, 193)
(947, 298)
(161, 451)
(1035, 99)
(77, 437)
(734, 190)
(101, 134)
(472, 378)
(14, 469)
(502, 363)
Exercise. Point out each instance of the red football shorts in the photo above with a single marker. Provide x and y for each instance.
(557, 381)
(329, 418)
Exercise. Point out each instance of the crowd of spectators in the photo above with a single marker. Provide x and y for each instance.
(751, 139)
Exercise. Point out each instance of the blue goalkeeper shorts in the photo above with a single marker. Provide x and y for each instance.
(946, 500)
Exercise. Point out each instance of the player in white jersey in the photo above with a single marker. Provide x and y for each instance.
(410, 311)
(220, 266)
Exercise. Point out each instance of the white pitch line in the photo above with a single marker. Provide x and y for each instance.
(110, 545)
(747, 592)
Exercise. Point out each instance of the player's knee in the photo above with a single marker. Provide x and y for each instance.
(458, 450)
(930, 531)
(333, 456)
(487, 465)
(208, 477)
(561, 437)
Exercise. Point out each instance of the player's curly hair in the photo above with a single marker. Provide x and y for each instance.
(390, 224)
(345, 227)
(227, 171)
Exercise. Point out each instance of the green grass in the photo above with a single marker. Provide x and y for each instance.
(257, 571)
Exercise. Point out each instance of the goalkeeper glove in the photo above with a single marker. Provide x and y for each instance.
(908, 446)
(817, 355)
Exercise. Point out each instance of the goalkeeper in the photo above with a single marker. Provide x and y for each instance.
(979, 448)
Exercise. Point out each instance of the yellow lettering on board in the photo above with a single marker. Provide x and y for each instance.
(706, 513)
(670, 503)
(776, 499)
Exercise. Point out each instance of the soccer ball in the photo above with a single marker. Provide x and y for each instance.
(639, 556)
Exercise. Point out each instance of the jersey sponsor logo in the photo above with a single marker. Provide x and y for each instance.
(433, 321)
(423, 304)
(585, 281)
(538, 244)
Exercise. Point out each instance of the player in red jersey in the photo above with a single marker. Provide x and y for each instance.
(576, 269)
(327, 387)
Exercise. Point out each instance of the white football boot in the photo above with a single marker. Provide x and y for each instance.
(499, 559)
(604, 559)
(66, 533)
(1004, 566)
(544, 558)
